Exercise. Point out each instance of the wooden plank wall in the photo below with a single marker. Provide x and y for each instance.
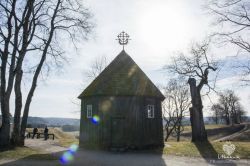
(139, 130)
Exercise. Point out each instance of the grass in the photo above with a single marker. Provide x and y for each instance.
(27, 153)
(19, 152)
(210, 126)
(206, 150)
(213, 131)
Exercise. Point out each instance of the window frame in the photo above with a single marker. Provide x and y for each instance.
(150, 111)
(89, 111)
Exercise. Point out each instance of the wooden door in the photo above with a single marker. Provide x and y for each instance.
(117, 132)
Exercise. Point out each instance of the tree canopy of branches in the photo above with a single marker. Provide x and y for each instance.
(233, 20)
(31, 35)
(228, 108)
(175, 106)
(196, 67)
(97, 66)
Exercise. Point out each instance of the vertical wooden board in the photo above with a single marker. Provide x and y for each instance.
(117, 132)
(81, 123)
(139, 122)
(160, 124)
(143, 117)
(106, 113)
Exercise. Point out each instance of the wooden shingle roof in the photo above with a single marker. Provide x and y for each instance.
(122, 77)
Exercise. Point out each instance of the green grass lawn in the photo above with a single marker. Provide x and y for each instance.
(207, 150)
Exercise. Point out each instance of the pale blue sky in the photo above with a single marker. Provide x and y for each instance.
(158, 28)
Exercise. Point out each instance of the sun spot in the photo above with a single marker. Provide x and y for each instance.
(132, 70)
(106, 105)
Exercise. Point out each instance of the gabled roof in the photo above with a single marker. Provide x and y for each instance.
(122, 77)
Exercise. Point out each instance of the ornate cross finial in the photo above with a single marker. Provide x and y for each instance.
(123, 39)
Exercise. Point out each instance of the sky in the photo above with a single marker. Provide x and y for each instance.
(157, 28)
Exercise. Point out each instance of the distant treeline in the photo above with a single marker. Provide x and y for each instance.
(70, 128)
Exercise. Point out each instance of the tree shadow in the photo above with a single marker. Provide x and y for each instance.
(96, 158)
(208, 152)
(216, 133)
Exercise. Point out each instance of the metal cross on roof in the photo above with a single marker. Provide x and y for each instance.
(123, 39)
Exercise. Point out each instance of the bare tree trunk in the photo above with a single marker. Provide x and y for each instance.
(18, 107)
(196, 115)
(179, 128)
(167, 136)
(240, 118)
(178, 132)
(5, 128)
(227, 119)
(232, 119)
(5, 96)
(169, 131)
(216, 118)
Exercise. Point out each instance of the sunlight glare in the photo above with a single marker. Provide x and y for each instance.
(165, 26)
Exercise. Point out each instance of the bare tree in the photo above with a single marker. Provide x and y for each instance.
(169, 117)
(175, 106)
(217, 111)
(233, 21)
(223, 101)
(241, 112)
(97, 66)
(229, 107)
(196, 67)
(31, 32)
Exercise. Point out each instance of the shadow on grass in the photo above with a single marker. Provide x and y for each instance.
(34, 160)
(216, 133)
(208, 152)
(96, 157)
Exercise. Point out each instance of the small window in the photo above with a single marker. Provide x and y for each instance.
(151, 111)
(89, 111)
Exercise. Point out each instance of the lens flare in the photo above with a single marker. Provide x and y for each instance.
(69, 154)
(73, 148)
(95, 119)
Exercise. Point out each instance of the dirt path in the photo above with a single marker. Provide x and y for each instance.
(234, 135)
(48, 146)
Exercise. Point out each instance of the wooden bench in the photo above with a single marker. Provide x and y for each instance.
(38, 135)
